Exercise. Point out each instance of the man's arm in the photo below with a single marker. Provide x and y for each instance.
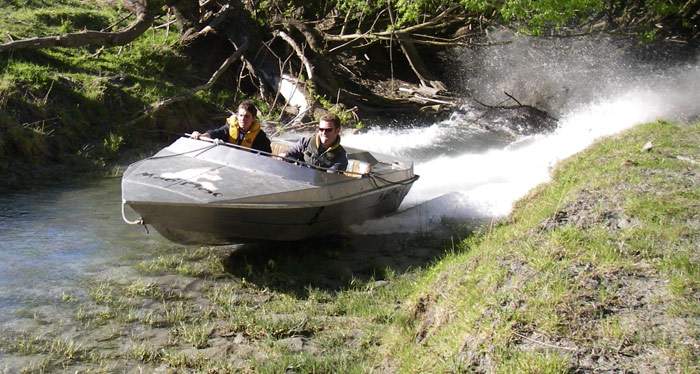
(219, 133)
(296, 151)
(341, 161)
(262, 143)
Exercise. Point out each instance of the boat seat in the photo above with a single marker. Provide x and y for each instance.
(357, 168)
(279, 147)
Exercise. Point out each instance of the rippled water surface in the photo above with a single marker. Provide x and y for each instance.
(56, 242)
(52, 239)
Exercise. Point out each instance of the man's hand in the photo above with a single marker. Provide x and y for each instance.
(199, 135)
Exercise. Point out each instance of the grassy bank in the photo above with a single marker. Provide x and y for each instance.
(67, 109)
(596, 271)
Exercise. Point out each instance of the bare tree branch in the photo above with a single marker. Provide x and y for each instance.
(514, 99)
(434, 22)
(144, 19)
(307, 65)
(310, 34)
(216, 20)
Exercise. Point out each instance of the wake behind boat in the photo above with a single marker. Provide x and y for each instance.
(197, 191)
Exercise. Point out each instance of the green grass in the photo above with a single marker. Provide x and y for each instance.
(56, 351)
(199, 262)
(528, 294)
(74, 106)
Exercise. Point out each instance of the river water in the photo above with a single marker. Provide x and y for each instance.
(54, 240)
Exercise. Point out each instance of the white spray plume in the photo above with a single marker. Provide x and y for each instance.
(478, 185)
(395, 142)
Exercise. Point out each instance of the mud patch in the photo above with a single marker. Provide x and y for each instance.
(591, 208)
(609, 320)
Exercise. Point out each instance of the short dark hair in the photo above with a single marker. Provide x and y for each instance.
(249, 106)
(332, 118)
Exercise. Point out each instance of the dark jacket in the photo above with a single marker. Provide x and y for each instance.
(312, 152)
(261, 142)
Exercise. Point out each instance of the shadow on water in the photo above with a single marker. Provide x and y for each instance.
(337, 262)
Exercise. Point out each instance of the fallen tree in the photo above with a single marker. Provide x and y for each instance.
(315, 56)
(302, 57)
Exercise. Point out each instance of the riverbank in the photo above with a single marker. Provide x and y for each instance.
(65, 110)
(596, 270)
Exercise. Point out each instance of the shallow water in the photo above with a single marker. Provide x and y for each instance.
(52, 239)
(57, 241)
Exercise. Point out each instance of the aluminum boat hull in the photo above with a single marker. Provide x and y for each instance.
(193, 192)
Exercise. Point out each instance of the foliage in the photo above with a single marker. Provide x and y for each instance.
(534, 17)
(539, 16)
(112, 143)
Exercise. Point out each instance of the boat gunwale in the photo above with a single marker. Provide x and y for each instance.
(290, 205)
(350, 151)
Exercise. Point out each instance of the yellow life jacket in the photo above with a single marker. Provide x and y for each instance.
(233, 132)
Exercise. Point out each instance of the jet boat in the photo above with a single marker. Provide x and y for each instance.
(210, 192)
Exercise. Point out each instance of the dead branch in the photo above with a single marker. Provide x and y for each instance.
(434, 22)
(115, 24)
(310, 34)
(543, 343)
(295, 126)
(414, 38)
(282, 67)
(307, 65)
(346, 44)
(144, 19)
(426, 94)
(417, 65)
(423, 99)
(252, 72)
(513, 107)
(159, 105)
(391, 41)
(216, 20)
(511, 96)
(345, 22)
(166, 25)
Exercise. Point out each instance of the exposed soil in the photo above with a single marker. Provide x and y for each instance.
(639, 299)
(590, 208)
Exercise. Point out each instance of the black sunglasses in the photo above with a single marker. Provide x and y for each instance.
(325, 129)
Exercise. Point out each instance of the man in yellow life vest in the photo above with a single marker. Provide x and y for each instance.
(324, 148)
(242, 128)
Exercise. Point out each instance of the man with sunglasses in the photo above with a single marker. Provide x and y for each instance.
(242, 128)
(323, 149)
